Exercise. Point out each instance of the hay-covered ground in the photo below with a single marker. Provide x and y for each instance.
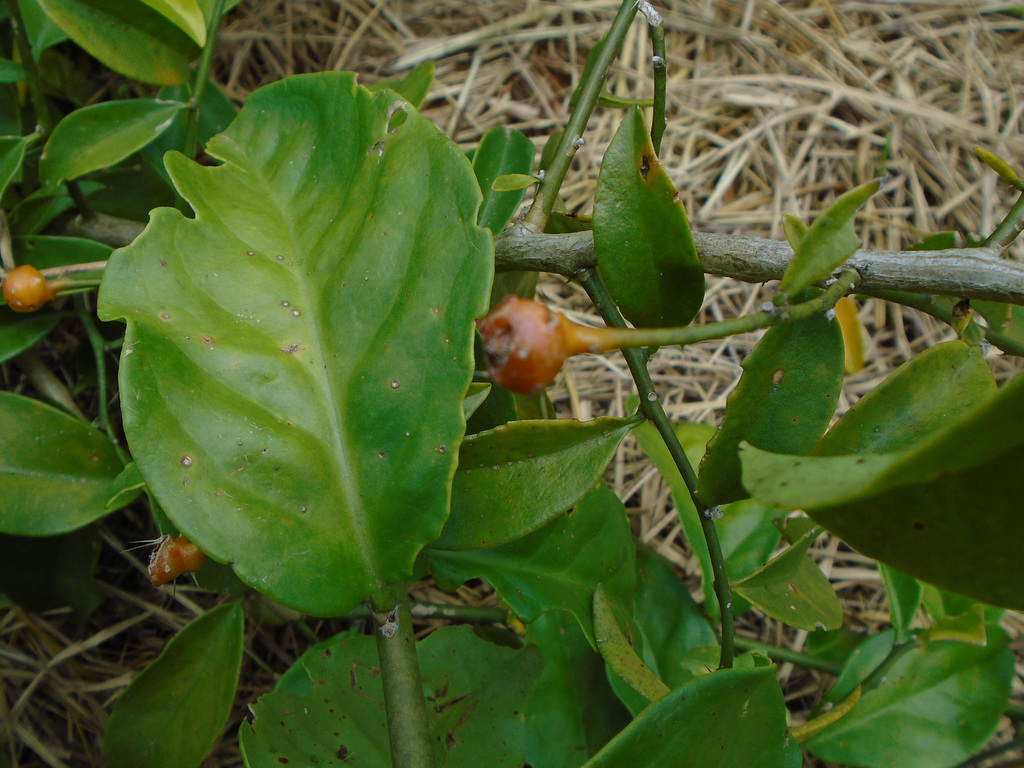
(773, 108)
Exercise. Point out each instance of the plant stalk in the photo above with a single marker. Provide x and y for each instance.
(408, 728)
(620, 337)
(572, 137)
(778, 653)
(660, 62)
(201, 79)
(651, 408)
(1009, 228)
(35, 89)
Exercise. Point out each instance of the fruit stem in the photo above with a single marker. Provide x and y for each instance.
(605, 339)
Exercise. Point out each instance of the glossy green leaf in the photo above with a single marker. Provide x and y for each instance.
(56, 471)
(904, 595)
(619, 655)
(100, 135)
(43, 206)
(126, 487)
(21, 330)
(322, 301)
(173, 712)
(502, 151)
(911, 509)
(862, 662)
(127, 36)
(916, 400)
(186, 15)
(12, 154)
(513, 182)
(645, 252)
(556, 567)
(745, 529)
(216, 111)
(784, 565)
(804, 599)
(784, 401)
(572, 711)
(413, 87)
(735, 718)
(936, 706)
(828, 242)
(1005, 319)
(41, 573)
(515, 478)
(42, 33)
(477, 694)
(795, 230)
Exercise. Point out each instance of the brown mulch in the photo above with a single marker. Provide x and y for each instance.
(774, 108)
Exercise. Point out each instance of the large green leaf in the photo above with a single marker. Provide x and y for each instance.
(938, 704)
(172, 713)
(477, 694)
(556, 567)
(946, 510)
(515, 478)
(784, 401)
(827, 243)
(56, 471)
(297, 355)
(645, 251)
(186, 15)
(103, 134)
(572, 711)
(128, 36)
(916, 400)
(735, 718)
(619, 655)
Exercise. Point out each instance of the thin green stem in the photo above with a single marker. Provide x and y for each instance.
(408, 728)
(201, 79)
(660, 62)
(35, 88)
(99, 349)
(1009, 228)
(651, 408)
(778, 653)
(78, 198)
(572, 137)
(621, 338)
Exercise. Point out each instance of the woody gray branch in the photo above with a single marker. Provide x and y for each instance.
(973, 273)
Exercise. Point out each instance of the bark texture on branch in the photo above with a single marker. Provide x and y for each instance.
(970, 273)
(973, 273)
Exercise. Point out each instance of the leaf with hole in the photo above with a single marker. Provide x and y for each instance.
(645, 252)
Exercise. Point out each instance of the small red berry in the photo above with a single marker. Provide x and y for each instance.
(26, 289)
(174, 556)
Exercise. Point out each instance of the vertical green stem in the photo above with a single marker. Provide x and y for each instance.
(35, 89)
(659, 60)
(202, 77)
(651, 408)
(572, 137)
(99, 356)
(408, 729)
(1008, 229)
